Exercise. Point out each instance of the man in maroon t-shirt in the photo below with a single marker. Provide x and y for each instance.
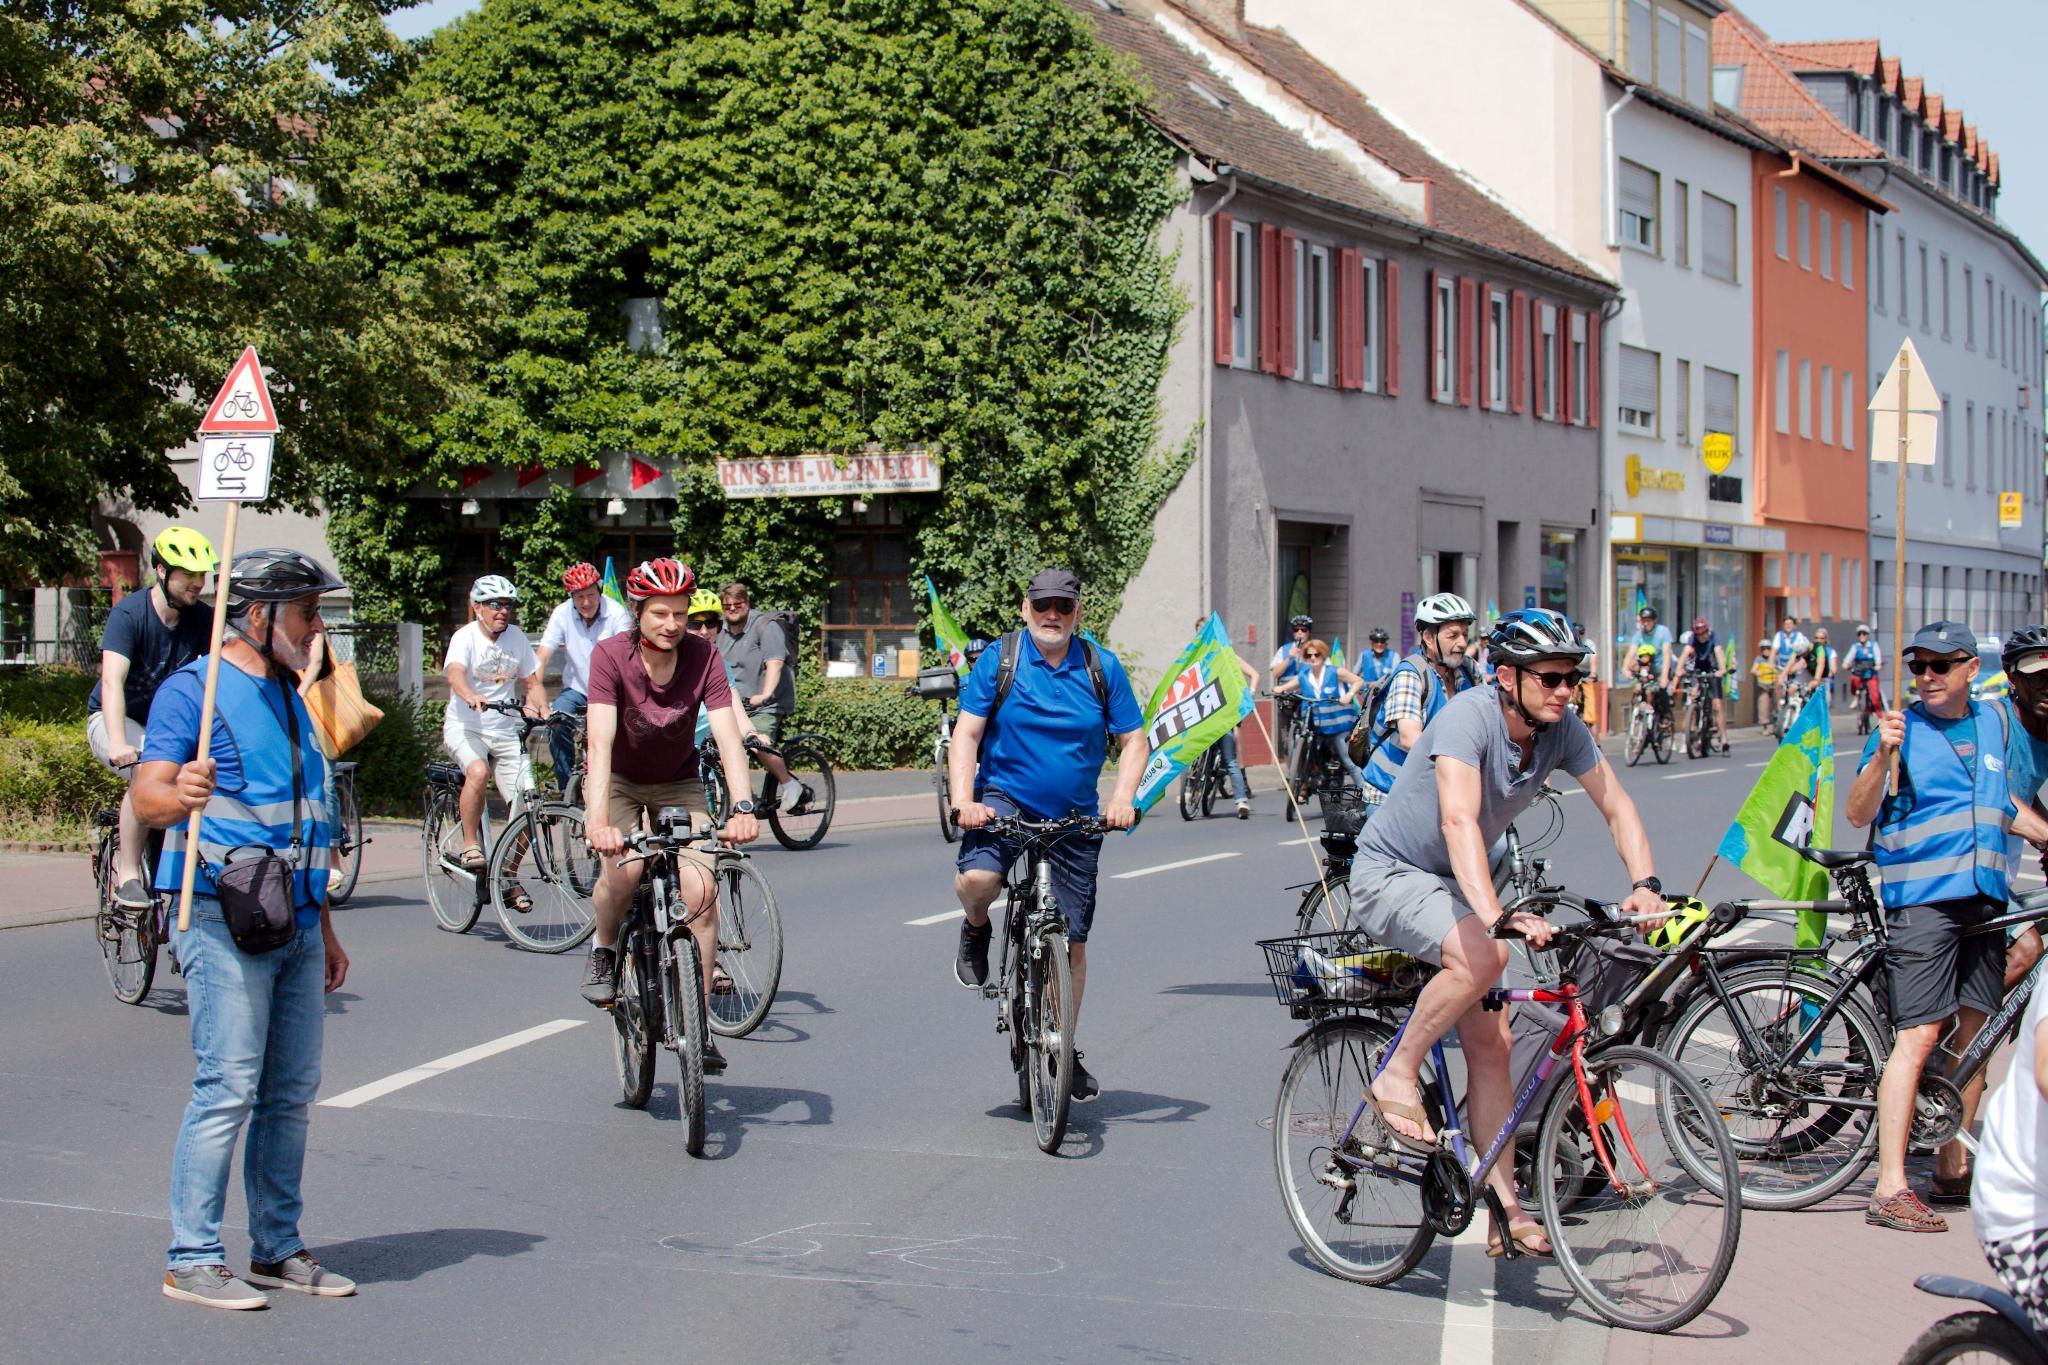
(645, 688)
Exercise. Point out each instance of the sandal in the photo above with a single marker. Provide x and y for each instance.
(1384, 1109)
(1950, 1190)
(471, 858)
(516, 898)
(1904, 1212)
(721, 984)
(1525, 1235)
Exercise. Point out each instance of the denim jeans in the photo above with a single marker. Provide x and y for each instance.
(1238, 786)
(562, 740)
(256, 1025)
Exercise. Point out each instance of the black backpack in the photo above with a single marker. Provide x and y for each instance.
(1011, 645)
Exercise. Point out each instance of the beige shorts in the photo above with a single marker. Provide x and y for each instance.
(629, 801)
(96, 739)
(511, 769)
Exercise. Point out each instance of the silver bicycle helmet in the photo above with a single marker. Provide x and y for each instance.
(493, 588)
(1442, 609)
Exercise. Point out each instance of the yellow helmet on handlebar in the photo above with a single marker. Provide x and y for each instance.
(1685, 913)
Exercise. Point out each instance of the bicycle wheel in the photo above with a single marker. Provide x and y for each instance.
(532, 863)
(1648, 1244)
(127, 936)
(949, 828)
(1312, 919)
(716, 799)
(800, 822)
(348, 854)
(1796, 1145)
(450, 890)
(1696, 745)
(1213, 777)
(1358, 1214)
(1190, 793)
(1972, 1336)
(1638, 738)
(633, 1027)
(1660, 739)
(686, 988)
(1049, 1043)
(749, 948)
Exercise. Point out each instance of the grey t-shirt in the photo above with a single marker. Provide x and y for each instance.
(1408, 828)
(748, 653)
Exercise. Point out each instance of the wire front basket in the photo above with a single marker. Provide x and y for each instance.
(1339, 970)
(1343, 809)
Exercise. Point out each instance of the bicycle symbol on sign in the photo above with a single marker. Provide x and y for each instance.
(241, 407)
(239, 455)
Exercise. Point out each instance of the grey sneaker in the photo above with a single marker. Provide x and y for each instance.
(132, 894)
(1244, 810)
(301, 1272)
(212, 1286)
(601, 978)
(970, 965)
(796, 799)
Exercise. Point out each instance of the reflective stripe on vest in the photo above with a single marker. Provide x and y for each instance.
(1328, 715)
(1386, 761)
(1950, 845)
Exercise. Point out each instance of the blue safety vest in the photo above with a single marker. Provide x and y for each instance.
(1385, 764)
(1329, 715)
(1946, 841)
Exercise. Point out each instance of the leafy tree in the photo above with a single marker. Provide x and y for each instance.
(892, 221)
(162, 167)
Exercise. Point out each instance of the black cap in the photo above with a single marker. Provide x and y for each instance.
(1944, 637)
(1054, 583)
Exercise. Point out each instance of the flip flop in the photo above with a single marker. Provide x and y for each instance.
(1401, 1110)
(1524, 1236)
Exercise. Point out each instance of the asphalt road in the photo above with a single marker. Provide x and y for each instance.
(871, 1191)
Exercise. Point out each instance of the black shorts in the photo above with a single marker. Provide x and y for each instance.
(1073, 859)
(1932, 965)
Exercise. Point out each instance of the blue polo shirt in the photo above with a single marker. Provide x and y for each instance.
(1045, 748)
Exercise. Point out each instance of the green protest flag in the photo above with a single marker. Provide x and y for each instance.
(1337, 652)
(952, 639)
(1199, 701)
(611, 583)
(1791, 807)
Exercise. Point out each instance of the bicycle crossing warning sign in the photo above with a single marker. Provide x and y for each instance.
(242, 407)
(234, 468)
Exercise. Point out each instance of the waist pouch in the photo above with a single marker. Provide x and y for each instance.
(256, 899)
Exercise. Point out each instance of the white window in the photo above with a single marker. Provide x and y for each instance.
(1827, 584)
(1546, 392)
(1298, 272)
(1970, 448)
(1724, 404)
(1445, 339)
(1639, 207)
(1638, 390)
(1781, 398)
(1990, 435)
(1926, 313)
(1717, 237)
(1806, 399)
(1681, 402)
(1848, 254)
(1499, 347)
(1969, 309)
(1641, 34)
(1371, 370)
(1670, 54)
(1244, 270)
(1850, 416)
(1698, 81)
(1681, 223)
(1827, 245)
(1944, 296)
(1581, 380)
(1784, 229)
(1990, 319)
(1805, 237)
(1827, 405)
(1319, 334)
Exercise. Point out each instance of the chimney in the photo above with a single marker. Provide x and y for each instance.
(1225, 16)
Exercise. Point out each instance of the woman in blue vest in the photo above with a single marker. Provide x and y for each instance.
(1331, 694)
(1940, 845)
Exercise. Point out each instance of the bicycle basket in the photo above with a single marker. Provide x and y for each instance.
(1343, 810)
(934, 683)
(1340, 970)
(441, 773)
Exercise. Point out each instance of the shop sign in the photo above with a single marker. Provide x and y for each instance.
(1711, 534)
(1627, 528)
(2011, 509)
(1639, 476)
(1717, 451)
(815, 476)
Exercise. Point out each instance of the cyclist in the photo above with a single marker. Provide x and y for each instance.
(2025, 661)
(646, 688)
(1644, 672)
(489, 660)
(1864, 662)
(1286, 660)
(1330, 690)
(1824, 663)
(1379, 661)
(1420, 686)
(1036, 751)
(1700, 655)
(1658, 637)
(1764, 671)
(148, 636)
(1227, 746)
(1422, 883)
(1791, 651)
(575, 627)
(707, 618)
(1940, 845)
(757, 648)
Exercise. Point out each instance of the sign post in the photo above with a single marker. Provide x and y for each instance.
(236, 438)
(1904, 428)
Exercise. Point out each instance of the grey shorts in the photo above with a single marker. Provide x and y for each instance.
(1932, 965)
(1407, 908)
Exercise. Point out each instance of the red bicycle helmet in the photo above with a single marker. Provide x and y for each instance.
(580, 576)
(660, 578)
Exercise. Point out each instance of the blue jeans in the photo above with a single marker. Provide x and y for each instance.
(562, 740)
(256, 1025)
(1239, 788)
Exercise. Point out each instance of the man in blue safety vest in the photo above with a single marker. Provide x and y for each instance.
(1940, 845)
(1420, 685)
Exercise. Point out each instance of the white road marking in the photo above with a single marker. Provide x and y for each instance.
(1696, 772)
(1169, 867)
(1295, 843)
(1468, 1298)
(363, 1094)
(939, 918)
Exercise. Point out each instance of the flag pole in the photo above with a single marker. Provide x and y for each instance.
(1899, 558)
(1322, 880)
(220, 621)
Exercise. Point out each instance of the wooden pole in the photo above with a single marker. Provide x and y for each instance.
(1328, 909)
(1899, 557)
(220, 622)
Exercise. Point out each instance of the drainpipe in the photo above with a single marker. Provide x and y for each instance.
(1613, 233)
(1205, 444)
(1603, 511)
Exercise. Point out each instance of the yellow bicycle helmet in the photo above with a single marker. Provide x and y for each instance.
(181, 547)
(1684, 915)
(704, 600)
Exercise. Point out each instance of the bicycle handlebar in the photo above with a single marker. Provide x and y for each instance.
(528, 724)
(1048, 830)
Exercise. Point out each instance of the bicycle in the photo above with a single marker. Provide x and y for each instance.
(2005, 1333)
(1647, 730)
(1344, 815)
(128, 937)
(1868, 703)
(1618, 1197)
(1033, 980)
(1791, 701)
(661, 982)
(1703, 735)
(1206, 782)
(941, 685)
(348, 836)
(799, 824)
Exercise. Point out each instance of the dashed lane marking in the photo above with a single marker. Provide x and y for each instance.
(1696, 772)
(363, 1094)
(1170, 867)
(939, 918)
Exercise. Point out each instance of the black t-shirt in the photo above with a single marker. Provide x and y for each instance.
(153, 649)
(1702, 652)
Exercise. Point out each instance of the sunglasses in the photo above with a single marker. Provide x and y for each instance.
(1938, 667)
(1550, 682)
(706, 622)
(1064, 606)
(496, 606)
(1315, 658)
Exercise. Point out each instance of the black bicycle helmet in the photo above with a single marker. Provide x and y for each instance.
(1378, 636)
(2025, 640)
(1302, 622)
(976, 646)
(1532, 633)
(274, 574)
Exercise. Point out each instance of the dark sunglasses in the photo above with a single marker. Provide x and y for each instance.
(500, 605)
(1550, 682)
(1063, 605)
(1938, 667)
(706, 622)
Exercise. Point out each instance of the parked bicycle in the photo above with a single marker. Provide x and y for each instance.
(128, 937)
(799, 820)
(2004, 1333)
(1703, 737)
(941, 685)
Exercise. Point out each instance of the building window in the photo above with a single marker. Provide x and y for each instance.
(1827, 585)
(1670, 54)
(1724, 405)
(1371, 370)
(1990, 319)
(1850, 416)
(1970, 447)
(1948, 442)
(1876, 266)
(1297, 274)
(1782, 216)
(1445, 339)
(1498, 348)
(1244, 270)
(1827, 245)
(1827, 405)
(1641, 35)
(1581, 380)
(1638, 390)
(1902, 280)
(1781, 398)
(1319, 314)
(1806, 399)
(1805, 237)
(1944, 296)
(1698, 67)
(1546, 378)
(1681, 223)
(1717, 237)
(1848, 254)
(1969, 309)
(1681, 402)
(1926, 313)
(1639, 207)
(870, 612)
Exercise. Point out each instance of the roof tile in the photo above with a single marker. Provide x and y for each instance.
(1775, 99)
(1859, 55)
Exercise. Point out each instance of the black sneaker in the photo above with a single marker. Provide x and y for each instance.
(714, 1060)
(1086, 1087)
(970, 967)
(601, 977)
(133, 894)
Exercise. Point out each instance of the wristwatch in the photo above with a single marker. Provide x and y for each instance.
(1652, 884)
(742, 808)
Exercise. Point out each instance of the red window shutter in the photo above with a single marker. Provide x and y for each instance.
(1226, 287)
(1350, 320)
(1467, 294)
(1390, 334)
(1482, 345)
(1269, 298)
(1290, 305)
(1536, 349)
(1593, 362)
(1518, 352)
(1564, 365)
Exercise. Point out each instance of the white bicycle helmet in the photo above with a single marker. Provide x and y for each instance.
(493, 587)
(1442, 609)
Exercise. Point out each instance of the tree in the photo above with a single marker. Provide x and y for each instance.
(897, 221)
(161, 175)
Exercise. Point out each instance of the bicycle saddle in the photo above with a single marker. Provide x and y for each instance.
(1835, 858)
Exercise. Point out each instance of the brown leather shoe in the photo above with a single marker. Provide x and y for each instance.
(1904, 1212)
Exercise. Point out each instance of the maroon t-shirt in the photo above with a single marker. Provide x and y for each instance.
(656, 740)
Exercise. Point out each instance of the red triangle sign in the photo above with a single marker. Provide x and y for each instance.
(242, 407)
(584, 473)
(531, 474)
(644, 474)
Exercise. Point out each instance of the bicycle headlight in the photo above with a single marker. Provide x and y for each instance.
(1612, 1019)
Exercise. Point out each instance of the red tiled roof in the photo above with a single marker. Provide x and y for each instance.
(1889, 77)
(1970, 141)
(1774, 98)
(1952, 125)
(1911, 89)
(1859, 55)
(1994, 168)
(1934, 108)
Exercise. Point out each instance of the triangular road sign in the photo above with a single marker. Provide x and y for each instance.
(242, 407)
(1923, 410)
(1922, 397)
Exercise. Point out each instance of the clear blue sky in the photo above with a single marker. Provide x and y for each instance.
(1982, 55)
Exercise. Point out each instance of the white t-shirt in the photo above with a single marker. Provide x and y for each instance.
(567, 632)
(2009, 1196)
(495, 668)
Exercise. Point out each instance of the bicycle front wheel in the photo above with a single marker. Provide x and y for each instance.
(1213, 776)
(1638, 738)
(128, 948)
(800, 818)
(749, 949)
(451, 891)
(1049, 1042)
(949, 828)
(716, 799)
(536, 866)
(1190, 793)
(348, 853)
(1313, 918)
(633, 1028)
(1648, 1242)
(686, 988)
(1971, 1336)
(1358, 1213)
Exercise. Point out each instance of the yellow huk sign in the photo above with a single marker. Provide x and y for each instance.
(1717, 451)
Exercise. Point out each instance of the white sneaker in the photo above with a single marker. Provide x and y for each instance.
(1244, 810)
